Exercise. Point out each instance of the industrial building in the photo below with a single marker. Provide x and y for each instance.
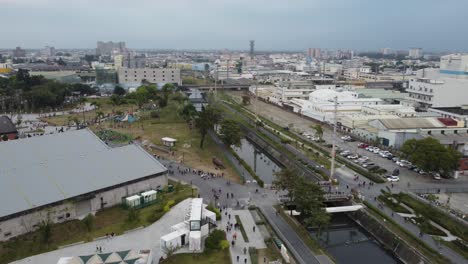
(67, 176)
(129, 77)
(440, 87)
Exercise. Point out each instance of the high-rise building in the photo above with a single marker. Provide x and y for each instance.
(386, 51)
(315, 53)
(110, 48)
(48, 51)
(415, 53)
(19, 52)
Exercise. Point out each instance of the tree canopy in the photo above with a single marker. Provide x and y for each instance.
(305, 195)
(230, 132)
(207, 118)
(429, 155)
(27, 92)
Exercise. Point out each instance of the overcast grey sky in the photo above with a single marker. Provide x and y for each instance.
(220, 24)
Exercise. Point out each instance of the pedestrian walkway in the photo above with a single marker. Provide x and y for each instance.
(240, 248)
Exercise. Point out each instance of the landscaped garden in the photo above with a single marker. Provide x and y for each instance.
(117, 219)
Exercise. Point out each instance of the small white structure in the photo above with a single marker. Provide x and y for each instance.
(192, 229)
(169, 142)
(133, 200)
(149, 196)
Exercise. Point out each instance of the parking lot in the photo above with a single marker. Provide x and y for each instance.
(299, 124)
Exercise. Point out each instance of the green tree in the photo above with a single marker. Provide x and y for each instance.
(45, 230)
(116, 100)
(206, 120)
(119, 90)
(189, 112)
(430, 155)
(230, 132)
(318, 131)
(5, 138)
(285, 180)
(88, 221)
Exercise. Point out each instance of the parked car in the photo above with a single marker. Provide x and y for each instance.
(395, 159)
(422, 172)
(396, 172)
(355, 156)
(345, 153)
(376, 150)
(362, 145)
(368, 164)
(436, 176)
(393, 179)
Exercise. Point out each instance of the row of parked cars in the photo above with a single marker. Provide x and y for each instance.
(399, 162)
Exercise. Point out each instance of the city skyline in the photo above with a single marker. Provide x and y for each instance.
(207, 24)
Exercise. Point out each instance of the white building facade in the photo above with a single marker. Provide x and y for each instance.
(132, 76)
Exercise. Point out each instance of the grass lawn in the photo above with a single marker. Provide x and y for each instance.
(404, 234)
(105, 106)
(435, 215)
(386, 199)
(169, 124)
(113, 219)
(208, 257)
(458, 247)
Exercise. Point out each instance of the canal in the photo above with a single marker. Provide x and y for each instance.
(262, 165)
(347, 242)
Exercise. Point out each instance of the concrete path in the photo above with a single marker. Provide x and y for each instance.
(145, 238)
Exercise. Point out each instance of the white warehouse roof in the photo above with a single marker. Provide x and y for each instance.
(42, 170)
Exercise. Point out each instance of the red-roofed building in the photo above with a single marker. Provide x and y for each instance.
(449, 122)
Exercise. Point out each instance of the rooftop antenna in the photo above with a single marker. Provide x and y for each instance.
(252, 49)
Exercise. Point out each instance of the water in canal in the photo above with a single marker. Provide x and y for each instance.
(345, 240)
(263, 166)
(349, 243)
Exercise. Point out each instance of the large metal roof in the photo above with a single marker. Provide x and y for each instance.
(41, 170)
(411, 123)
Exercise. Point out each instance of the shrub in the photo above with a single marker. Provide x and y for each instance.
(214, 210)
(213, 241)
(88, 221)
(224, 244)
(133, 215)
(154, 114)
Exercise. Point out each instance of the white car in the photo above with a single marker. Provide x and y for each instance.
(393, 179)
(376, 150)
(355, 156)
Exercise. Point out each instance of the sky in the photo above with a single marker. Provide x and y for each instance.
(434, 25)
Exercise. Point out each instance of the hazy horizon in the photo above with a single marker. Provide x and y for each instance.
(275, 25)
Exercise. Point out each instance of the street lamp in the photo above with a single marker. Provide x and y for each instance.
(191, 187)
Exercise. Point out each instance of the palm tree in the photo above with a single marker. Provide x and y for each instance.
(318, 131)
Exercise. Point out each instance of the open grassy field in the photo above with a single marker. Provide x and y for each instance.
(169, 124)
(112, 219)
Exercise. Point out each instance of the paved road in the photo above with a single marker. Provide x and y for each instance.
(147, 238)
(264, 199)
(285, 118)
(293, 242)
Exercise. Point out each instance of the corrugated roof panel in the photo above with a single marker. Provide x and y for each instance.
(41, 170)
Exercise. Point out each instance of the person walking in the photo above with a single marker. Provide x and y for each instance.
(238, 258)
(254, 229)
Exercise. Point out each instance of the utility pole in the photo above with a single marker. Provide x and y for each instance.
(333, 153)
